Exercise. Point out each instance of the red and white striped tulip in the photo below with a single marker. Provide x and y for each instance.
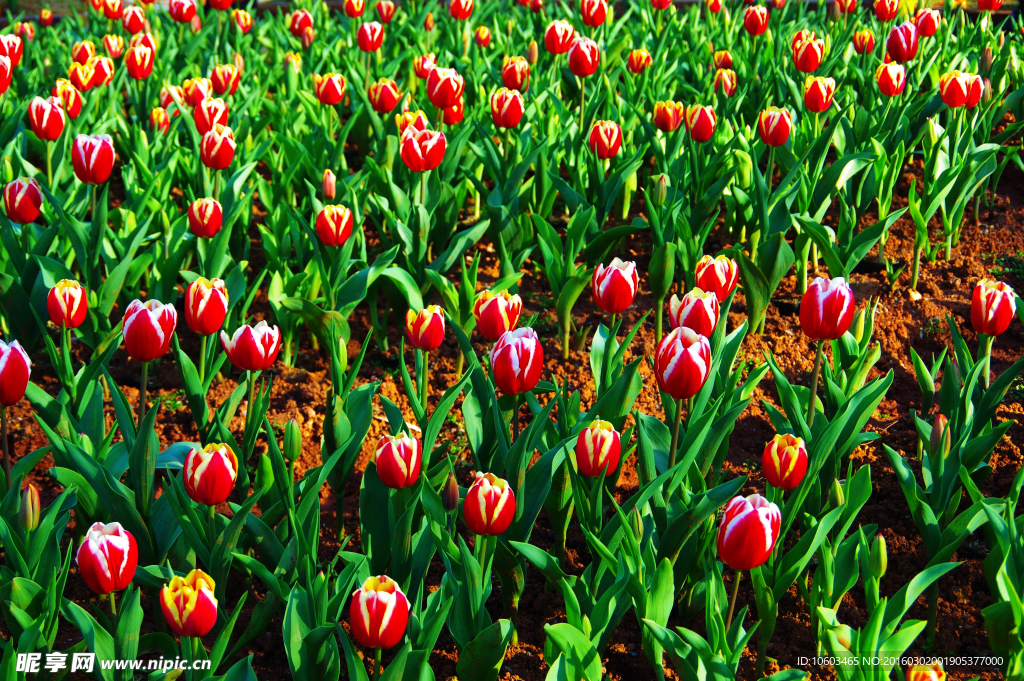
(206, 305)
(334, 225)
(496, 313)
(614, 286)
(784, 462)
(92, 158)
(558, 37)
(253, 348)
(584, 57)
(205, 218)
(490, 505)
(217, 148)
(147, 329)
(46, 118)
(67, 304)
(826, 310)
(370, 36)
(22, 200)
(189, 604)
(107, 558)
(444, 87)
(399, 458)
(598, 450)
(993, 306)
(209, 473)
(209, 113)
(682, 363)
(697, 310)
(516, 361)
(748, 532)
(605, 139)
(425, 329)
(423, 150)
(718, 275)
(379, 613)
(15, 370)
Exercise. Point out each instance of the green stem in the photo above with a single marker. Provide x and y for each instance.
(915, 269)
(7, 453)
(211, 522)
(985, 353)
(113, 603)
(49, 165)
(202, 360)
(814, 385)
(658, 317)
(252, 399)
(515, 418)
(732, 599)
(377, 666)
(675, 434)
(142, 392)
(582, 84)
(425, 382)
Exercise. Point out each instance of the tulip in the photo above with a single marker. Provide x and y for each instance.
(83, 51)
(423, 150)
(450, 493)
(700, 122)
(886, 10)
(92, 158)
(424, 64)
(584, 57)
(846, 6)
(940, 441)
(22, 200)
(725, 82)
(639, 61)
(28, 514)
(927, 21)
(189, 604)
(668, 116)
(453, 115)
(67, 304)
(977, 89)
(490, 505)
(6, 73)
(103, 70)
(354, 8)
(334, 225)
(826, 310)
(428, 23)
(614, 286)
(379, 615)
(370, 36)
(170, 95)
(225, 79)
(681, 365)
(722, 59)
(12, 48)
(209, 473)
(398, 460)
(308, 36)
(25, 30)
(818, 93)
(960, 89)
(147, 329)
(748, 531)
(517, 359)
(417, 120)
(133, 20)
(15, 369)
(384, 95)
(330, 88)
(252, 348)
(299, 21)
(138, 61)
(444, 87)
(774, 125)
(45, 17)
(460, 10)
(697, 310)
(107, 558)
(713, 6)
(182, 11)
(243, 20)
(536, 6)
(926, 672)
(718, 275)
(114, 45)
(605, 139)
(482, 36)
(205, 218)
(113, 9)
(328, 185)
(784, 462)
(195, 90)
(507, 108)
(69, 96)
(989, 5)
(902, 42)
(661, 5)
(891, 79)
(593, 12)
(206, 306)
(558, 37)
(425, 330)
(82, 75)
(755, 20)
(217, 148)
(864, 41)
(515, 74)
(496, 313)
(807, 55)
(993, 306)
(385, 11)
(598, 450)
(46, 118)
(144, 40)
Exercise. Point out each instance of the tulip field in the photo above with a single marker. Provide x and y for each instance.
(537, 340)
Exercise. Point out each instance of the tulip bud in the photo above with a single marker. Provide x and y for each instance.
(668, 115)
(584, 57)
(697, 310)
(722, 59)
(605, 139)
(748, 532)
(718, 275)
(987, 92)
(836, 498)
(558, 37)
(639, 61)
(292, 441)
(23, 200)
(379, 613)
(598, 450)
(658, 191)
(67, 304)
(450, 493)
(826, 310)
(879, 559)
(517, 359)
(682, 362)
(147, 329)
(490, 505)
(423, 150)
(864, 41)
(329, 185)
(482, 36)
(425, 330)
(993, 306)
(532, 52)
(205, 218)
(424, 64)
(206, 305)
(334, 225)
(107, 558)
(428, 24)
(636, 524)
(784, 462)
(253, 348)
(940, 441)
(398, 460)
(189, 604)
(15, 370)
(28, 515)
(496, 313)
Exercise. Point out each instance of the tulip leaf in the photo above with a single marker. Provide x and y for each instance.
(481, 659)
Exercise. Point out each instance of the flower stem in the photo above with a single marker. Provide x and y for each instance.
(425, 381)
(582, 84)
(985, 354)
(7, 453)
(814, 385)
(252, 396)
(515, 418)
(49, 165)
(142, 392)
(675, 434)
(113, 603)
(202, 360)
(376, 664)
(732, 599)
(211, 520)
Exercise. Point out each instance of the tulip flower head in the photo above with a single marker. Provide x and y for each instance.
(23, 200)
(15, 370)
(598, 450)
(496, 313)
(818, 93)
(83, 51)
(82, 76)
(558, 37)
(299, 21)
(209, 113)
(147, 329)
(46, 118)
(206, 306)
(398, 459)
(355, 8)
(639, 61)
(138, 61)
(417, 120)
(698, 310)
(891, 79)
(385, 11)
(515, 74)
(989, 5)
(490, 505)
(334, 225)
(593, 12)
(482, 36)
(253, 348)
(748, 532)
(453, 115)
(807, 55)
(902, 42)
(993, 306)
(370, 36)
(605, 139)
(956, 88)
(718, 275)
(114, 45)
(701, 122)
(6, 73)
(209, 473)
(885, 10)
(217, 148)
(584, 57)
(722, 59)
(379, 613)
(242, 19)
(507, 108)
(926, 672)
(614, 286)
(460, 10)
(384, 95)
(826, 310)
(70, 97)
(784, 462)
(422, 150)
(755, 20)
(774, 125)
(668, 115)
(134, 20)
(330, 88)
(12, 48)
(107, 558)
(225, 79)
(517, 359)
(864, 41)
(67, 304)
(425, 329)
(424, 64)
(927, 21)
(725, 82)
(444, 87)
(682, 362)
(182, 11)
(189, 604)
(205, 218)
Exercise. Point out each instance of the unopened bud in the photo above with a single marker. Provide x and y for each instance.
(835, 495)
(1002, 40)
(636, 524)
(532, 52)
(264, 474)
(659, 190)
(879, 558)
(292, 440)
(450, 493)
(329, 185)
(29, 515)
(857, 328)
(8, 171)
(940, 441)
(986, 91)
(844, 634)
(986, 60)
(239, 62)
(429, 23)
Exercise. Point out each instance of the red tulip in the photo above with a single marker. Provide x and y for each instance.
(15, 370)
(113, 9)
(114, 45)
(70, 97)
(423, 150)
(482, 36)
(134, 19)
(107, 558)
(926, 672)
(490, 505)
(217, 148)
(428, 23)
(138, 61)
(755, 20)
(182, 11)
(253, 348)
(614, 286)
(902, 42)
(334, 225)
(444, 87)
(225, 79)
(83, 51)
(330, 88)
(384, 95)
(584, 57)
(147, 329)
(67, 304)
(515, 74)
(722, 59)
(891, 79)
(299, 21)
(453, 115)
(196, 90)
(205, 218)
(989, 5)
(507, 108)
(496, 313)
(864, 41)
(660, 5)
(386, 11)
(424, 64)
(886, 10)
(847, 6)
(328, 185)
(22, 200)
(993, 306)
(826, 310)
(958, 88)
(807, 55)
(558, 37)
(45, 17)
(773, 125)
(516, 361)
(189, 604)
(6, 73)
(593, 12)
(748, 532)
(46, 118)
(784, 462)
(417, 120)
(220, 5)
(82, 75)
(159, 120)
(598, 450)
(12, 48)
(718, 275)
(460, 10)
(379, 613)
(975, 90)
(144, 40)
(206, 306)
(243, 20)
(92, 158)
(355, 8)
(701, 122)
(725, 82)
(209, 473)
(697, 310)
(605, 139)
(668, 116)
(639, 61)
(927, 21)
(818, 93)
(398, 458)
(103, 71)
(682, 363)
(370, 36)
(425, 329)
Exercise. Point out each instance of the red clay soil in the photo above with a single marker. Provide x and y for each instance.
(993, 246)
